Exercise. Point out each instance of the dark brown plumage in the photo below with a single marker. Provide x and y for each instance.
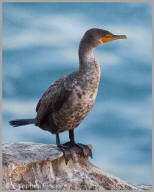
(69, 99)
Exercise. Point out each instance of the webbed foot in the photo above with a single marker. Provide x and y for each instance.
(85, 150)
(67, 151)
(69, 148)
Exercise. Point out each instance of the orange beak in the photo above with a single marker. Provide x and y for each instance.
(110, 37)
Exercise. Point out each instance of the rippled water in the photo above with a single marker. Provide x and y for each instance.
(40, 44)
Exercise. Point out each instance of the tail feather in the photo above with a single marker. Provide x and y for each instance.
(21, 122)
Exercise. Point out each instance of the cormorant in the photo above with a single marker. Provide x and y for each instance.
(69, 99)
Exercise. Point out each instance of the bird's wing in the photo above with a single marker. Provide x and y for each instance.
(53, 98)
(50, 95)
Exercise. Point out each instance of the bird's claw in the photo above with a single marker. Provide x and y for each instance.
(67, 151)
(69, 148)
(85, 150)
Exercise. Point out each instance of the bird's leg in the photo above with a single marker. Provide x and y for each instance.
(57, 139)
(66, 151)
(85, 150)
(71, 136)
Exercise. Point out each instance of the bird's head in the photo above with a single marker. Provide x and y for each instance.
(95, 37)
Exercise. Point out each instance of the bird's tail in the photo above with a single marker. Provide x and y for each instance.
(21, 122)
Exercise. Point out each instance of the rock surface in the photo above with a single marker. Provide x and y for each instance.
(38, 166)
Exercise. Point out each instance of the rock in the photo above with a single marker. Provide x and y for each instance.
(35, 166)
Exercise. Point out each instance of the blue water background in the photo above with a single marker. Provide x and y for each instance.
(40, 44)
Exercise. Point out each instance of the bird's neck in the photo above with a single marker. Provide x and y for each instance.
(86, 58)
(87, 61)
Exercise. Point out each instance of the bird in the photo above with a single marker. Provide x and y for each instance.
(69, 99)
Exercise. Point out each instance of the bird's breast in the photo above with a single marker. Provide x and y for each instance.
(78, 105)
